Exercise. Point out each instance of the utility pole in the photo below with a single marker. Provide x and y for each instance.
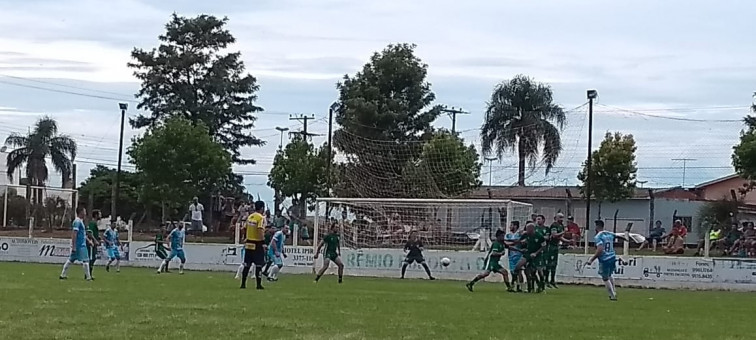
(304, 119)
(490, 168)
(453, 112)
(117, 185)
(685, 166)
(592, 94)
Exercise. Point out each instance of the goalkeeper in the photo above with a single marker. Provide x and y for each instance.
(414, 249)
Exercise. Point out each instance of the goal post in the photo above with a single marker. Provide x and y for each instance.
(441, 224)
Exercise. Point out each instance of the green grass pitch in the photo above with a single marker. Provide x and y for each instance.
(139, 304)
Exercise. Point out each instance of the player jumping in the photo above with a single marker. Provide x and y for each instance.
(254, 252)
(111, 246)
(414, 249)
(176, 239)
(332, 252)
(78, 245)
(276, 252)
(606, 256)
(492, 264)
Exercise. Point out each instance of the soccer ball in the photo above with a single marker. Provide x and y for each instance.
(445, 261)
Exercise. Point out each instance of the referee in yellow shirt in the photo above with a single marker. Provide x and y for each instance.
(254, 252)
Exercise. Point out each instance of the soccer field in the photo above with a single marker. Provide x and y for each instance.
(139, 304)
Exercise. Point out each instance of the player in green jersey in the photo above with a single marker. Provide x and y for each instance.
(540, 262)
(535, 244)
(93, 233)
(556, 235)
(160, 251)
(332, 252)
(492, 265)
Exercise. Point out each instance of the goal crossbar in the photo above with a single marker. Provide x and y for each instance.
(419, 200)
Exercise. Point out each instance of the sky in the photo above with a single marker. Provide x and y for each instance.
(678, 75)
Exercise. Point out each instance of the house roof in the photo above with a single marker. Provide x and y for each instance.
(546, 192)
(716, 181)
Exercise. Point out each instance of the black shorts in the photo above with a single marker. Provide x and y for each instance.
(414, 258)
(256, 255)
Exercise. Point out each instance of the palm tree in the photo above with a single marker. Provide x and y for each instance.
(521, 118)
(33, 149)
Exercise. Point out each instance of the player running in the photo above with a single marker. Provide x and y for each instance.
(332, 252)
(276, 252)
(556, 235)
(492, 265)
(414, 249)
(254, 252)
(606, 256)
(93, 233)
(176, 238)
(111, 246)
(514, 253)
(78, 245)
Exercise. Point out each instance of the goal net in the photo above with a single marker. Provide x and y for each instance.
(452, 224)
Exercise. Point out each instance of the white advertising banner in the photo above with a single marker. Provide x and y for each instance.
(627, 267)
(678, 269)
(735, 271)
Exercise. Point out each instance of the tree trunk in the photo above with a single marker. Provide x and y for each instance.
(599, 209)
(521, 163)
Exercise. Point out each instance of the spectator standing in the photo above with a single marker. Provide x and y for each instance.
(196, 210)
(655, 236)
(573, 231)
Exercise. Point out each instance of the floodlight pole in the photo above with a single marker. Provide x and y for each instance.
(117, 184)
(592, 94)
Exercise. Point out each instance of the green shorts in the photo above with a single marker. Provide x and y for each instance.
(536, 263)
(493, 266)
(331, 256)
(161, 254)
(552, 258)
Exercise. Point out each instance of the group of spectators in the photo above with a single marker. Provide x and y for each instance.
(672, 242)
(737, 240)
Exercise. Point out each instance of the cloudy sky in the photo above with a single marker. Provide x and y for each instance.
(676, 74)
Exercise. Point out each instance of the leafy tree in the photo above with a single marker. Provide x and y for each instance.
(446, 165)
(386, 103)
(744, 153)
(299, 172)
(521, 117)
(188, 76)
(178, 160)
(97, 191)
(613, 170)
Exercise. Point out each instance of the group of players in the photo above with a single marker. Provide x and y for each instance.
(264, 249)
(86, 242)
(534, 251)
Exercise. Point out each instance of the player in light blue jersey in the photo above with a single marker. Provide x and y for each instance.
(607, 258)
(276, 252)
(176, 238)
(514, 254)
(79, 250)
(111, 245)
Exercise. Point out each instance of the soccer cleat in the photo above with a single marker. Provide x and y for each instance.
(431, 278)
(243, 287)
(259, 287)
(469, 286)
(63, 277)
(107, 268)
(340, 281)
(613, 298)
